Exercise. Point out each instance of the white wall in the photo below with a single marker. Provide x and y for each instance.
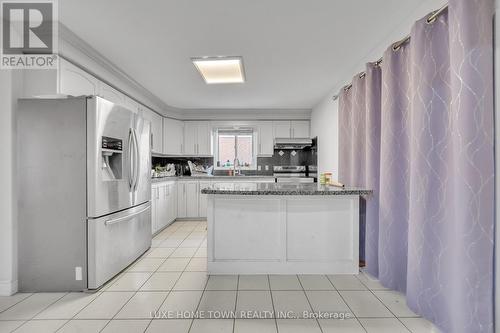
(324, 125)
(10, 89)
(324, 118)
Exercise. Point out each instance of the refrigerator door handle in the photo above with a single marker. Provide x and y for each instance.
(124, 218)
(130, 159)
(136, 161)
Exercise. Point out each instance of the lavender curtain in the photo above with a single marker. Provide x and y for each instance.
(394, 169)
(372, 168)
(434, 189)
(360, 143)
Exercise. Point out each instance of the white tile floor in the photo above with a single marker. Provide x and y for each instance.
(171, 279)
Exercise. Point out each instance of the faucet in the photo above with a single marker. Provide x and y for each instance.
(238, 171)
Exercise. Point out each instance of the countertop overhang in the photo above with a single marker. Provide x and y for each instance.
(282, 189)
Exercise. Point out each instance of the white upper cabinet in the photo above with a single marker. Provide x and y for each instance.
(282, 129)
(300, 128)
(203, 138)
(266, 139)
(197, 138)
(111, 94)
(190, 138)
(291, 129)
(132, 105)
(173, 136)
(156, 128)
(114, 95)
(74, 81)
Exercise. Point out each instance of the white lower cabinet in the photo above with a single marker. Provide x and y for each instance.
(184, 199)
(187, 199)
(192, 197)
(154, 204)
(163, 205)
(172, 202)
(202, 209)
(181, 200)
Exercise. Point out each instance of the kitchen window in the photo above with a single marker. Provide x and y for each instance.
(235, 144)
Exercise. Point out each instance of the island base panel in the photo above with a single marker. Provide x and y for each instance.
(283, 234)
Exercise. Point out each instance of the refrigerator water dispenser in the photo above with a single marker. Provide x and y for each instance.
(112, 158)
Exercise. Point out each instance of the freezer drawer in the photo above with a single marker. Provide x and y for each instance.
(115, 241)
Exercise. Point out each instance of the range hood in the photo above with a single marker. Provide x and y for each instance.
(295, 143)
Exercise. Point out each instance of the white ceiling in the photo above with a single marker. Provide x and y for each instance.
(294, 51)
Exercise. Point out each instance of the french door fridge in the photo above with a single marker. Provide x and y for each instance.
(84, 192)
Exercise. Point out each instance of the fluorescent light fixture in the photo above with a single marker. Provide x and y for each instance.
(220, 69)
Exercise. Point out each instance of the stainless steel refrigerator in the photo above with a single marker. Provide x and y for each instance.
(84, 192)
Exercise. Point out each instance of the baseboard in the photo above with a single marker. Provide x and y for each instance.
(8, 288)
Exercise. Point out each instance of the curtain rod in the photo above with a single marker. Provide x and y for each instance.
(397, 45)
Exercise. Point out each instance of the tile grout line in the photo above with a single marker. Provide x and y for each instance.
(350, 309)
(389, 309)
(73, 317)
(7, 308)
(372, 292)
(309, 302)
(236, 301)
(170, 291)
(180, 275)
(199, 301)
(134, 293)
(272, 303)
(198, 306)
(27, 321)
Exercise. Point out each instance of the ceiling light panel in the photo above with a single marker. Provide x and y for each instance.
(219, 70)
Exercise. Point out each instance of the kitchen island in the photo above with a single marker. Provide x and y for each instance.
(280, 228)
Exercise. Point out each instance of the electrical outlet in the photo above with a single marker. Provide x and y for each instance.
(78, 274)
(259, 167)
(267, 167)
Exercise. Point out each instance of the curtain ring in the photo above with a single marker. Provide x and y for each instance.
(431, 19)
(396, 46)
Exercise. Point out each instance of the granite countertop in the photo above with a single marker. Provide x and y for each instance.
(163, 179)
(282, 189)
